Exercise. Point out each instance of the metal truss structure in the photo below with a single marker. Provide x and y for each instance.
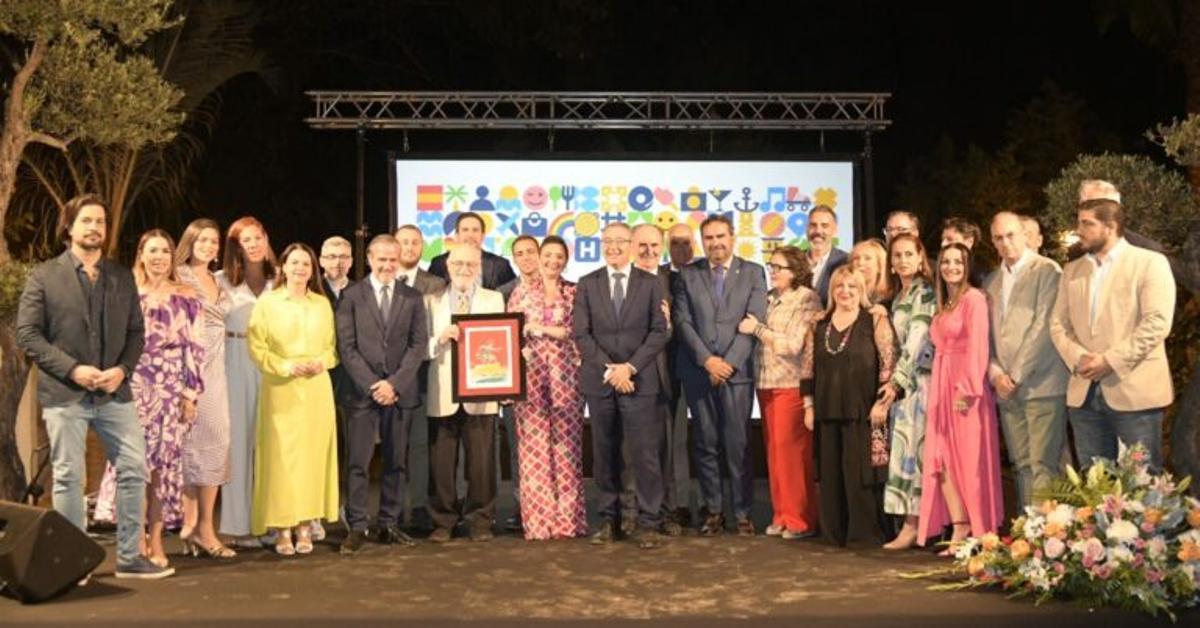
(348, 110)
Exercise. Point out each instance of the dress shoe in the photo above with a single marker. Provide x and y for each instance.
(482, 534)
(354, 542)
(605, 535)
(648, 538)
(745, 527)
(774, 530)
(393, 535)
(440, 535)
(514, 524)
(671, 527)
(714, 525)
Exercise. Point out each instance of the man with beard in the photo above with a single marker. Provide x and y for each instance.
(1111, 320)
(80, 321)
(712, 296)
(822, 257)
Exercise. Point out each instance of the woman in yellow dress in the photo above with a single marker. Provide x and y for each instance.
(291, 339)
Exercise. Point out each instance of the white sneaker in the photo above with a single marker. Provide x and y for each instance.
(774, 530)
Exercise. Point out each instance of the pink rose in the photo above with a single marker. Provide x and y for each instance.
(1054, 547)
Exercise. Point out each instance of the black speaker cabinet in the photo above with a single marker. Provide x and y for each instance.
(41, 554)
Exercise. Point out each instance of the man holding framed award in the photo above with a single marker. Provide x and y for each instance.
(471, 422)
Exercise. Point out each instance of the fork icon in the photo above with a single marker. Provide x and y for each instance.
(568, 193)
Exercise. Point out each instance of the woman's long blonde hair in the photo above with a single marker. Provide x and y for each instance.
(882, 290)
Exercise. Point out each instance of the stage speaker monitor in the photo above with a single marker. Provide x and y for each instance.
(41, 554)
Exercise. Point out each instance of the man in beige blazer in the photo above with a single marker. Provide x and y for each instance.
(472, 424)
(1029, 376)
(1110, 322)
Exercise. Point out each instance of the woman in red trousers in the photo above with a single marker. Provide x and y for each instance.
(791, 309)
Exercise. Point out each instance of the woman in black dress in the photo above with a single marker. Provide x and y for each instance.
(852, 357)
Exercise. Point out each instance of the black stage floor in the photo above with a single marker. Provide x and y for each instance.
(692, 581)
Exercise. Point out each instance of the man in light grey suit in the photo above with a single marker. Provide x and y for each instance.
(1025, 369)
(382, 341)
(412, 247)
(715, 363)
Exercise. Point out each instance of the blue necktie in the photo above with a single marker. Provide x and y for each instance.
(719, 281)
(618, 293)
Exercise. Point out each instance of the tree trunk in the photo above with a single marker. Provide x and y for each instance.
(14, 371)
(15, 135)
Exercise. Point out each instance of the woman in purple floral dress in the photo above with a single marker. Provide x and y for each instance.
(165, 385)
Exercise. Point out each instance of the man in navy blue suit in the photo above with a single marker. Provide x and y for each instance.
(620, 329)
(822, 257)
(715, 365)
(468, 230)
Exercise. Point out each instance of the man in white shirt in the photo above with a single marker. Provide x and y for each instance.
(1111, 320)
(1029, 377)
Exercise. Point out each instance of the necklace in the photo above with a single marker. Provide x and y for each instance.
(845, 337)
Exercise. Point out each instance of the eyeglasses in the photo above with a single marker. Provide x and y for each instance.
(615, 241)
(462, 264)
(894, 231)
(336, 257)
(775, 268)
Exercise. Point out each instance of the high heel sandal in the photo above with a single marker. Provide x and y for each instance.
(217, 551)
(283, 543)
(949, 551)
(189, 548)
(304, 544)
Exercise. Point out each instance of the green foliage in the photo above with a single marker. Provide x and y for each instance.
(1158, 202)
(12, 282)
(1180, 139)
(91, 83)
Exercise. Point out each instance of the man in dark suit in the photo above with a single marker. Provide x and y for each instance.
(822, 257)
(468, 230)
(336, 260)
(80, 321)
(382, 340)
(412, 248)
(620, 329)
(715, 364)
(648, 250)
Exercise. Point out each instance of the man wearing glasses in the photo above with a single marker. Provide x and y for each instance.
(822, 257)
(620, 329)
(336, 261)
(900, 221)
(450, 423)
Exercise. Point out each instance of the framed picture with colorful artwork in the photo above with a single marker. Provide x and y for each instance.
(487, 360)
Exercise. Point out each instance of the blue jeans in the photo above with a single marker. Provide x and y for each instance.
(1098, 427)
(124, 446)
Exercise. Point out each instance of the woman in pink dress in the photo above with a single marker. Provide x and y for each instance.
(550, 420)
(961, 466)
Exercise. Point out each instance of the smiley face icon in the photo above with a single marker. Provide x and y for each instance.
(535, 197)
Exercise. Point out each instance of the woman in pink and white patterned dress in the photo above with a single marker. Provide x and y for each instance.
(550, 420)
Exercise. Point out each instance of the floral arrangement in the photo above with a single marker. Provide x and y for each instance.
(1121, 536)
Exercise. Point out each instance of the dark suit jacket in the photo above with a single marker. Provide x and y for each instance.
(666, 358)
(837, 257)
(338, 373)
(496, 270)
(427, 283)
(372, 349)
(707, 326)
(53, 327)
(637, 338)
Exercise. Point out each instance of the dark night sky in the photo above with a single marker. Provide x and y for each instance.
(956, 70)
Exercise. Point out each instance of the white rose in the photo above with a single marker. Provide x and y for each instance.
(1062, 516)
(1121, 531)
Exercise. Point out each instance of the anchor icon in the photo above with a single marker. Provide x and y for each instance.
(746, 206)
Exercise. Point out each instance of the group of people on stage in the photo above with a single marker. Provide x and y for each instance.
(883, 377)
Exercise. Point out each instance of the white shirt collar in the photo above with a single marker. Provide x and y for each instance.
(622, 269)
(1112, 255)
(728, 264)
(1025, 258)
(652, 271)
